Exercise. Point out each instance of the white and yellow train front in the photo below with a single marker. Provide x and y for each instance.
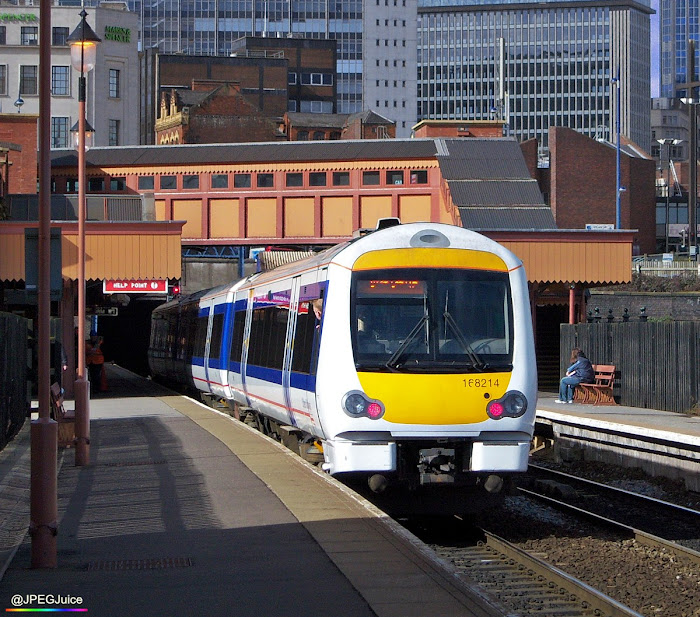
(426, 369)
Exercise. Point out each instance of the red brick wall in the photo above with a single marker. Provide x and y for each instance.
(21, 129)
(583, 184)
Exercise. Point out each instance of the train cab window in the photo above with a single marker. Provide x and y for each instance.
(306, 339)
(341, 178)
(168, 183)
(190, 181)
(266, 181)
(294, 179)
(241, 181)
(217, 329)
(419, 176)
(219, 181)
(370, 178)
(146, 183)
(419, 319)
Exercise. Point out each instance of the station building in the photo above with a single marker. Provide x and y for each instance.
(112, 86)
(179, 209)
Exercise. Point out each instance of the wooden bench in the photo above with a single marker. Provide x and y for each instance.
(600, 392)
(65, 419)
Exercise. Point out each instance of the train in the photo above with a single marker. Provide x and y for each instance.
(402, 360)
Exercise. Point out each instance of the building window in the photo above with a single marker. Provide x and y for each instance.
(341, 178)
(295, 179)
(265, 181)
(291, 105)
(319, 135)
(59, 36)
(316, 79)
(370, 178)
(317, 178)
(419, 176)
(3, 79)
(317, 107)
(60, 80)
(114, 83)
(59, 132)
(302, 135)
(3, 35)
(190, 181)
(117, 184)
(30, 35)
(291, 79)
(168, 183)
(96, 185)
(241, 181)
(28, 82)
(219, 181)
(394, 177)
(113, 136)
(71, 185)
(145, 183)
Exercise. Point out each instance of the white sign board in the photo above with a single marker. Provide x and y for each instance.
(667, 257)
(599, 226)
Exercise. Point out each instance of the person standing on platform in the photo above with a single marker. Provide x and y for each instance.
(580, 371)
(95, 360)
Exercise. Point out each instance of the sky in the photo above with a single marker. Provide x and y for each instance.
(655, 46)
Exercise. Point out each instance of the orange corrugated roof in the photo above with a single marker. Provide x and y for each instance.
(119, 251)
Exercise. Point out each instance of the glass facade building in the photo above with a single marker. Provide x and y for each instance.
(209, 27)
(679, 22)
(537, 64)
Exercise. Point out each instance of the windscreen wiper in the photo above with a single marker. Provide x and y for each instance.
(478, 363)
(393, 362)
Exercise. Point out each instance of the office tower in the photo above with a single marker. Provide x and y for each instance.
(679, 22)
(556, 64)
(193, 27)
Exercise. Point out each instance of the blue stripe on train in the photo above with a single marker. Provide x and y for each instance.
(299, 381)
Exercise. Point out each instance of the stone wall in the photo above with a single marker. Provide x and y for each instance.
(659, 305)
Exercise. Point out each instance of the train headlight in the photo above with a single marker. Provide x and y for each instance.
(512, 405)
(357, 405)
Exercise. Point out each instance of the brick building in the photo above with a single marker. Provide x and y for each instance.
(18, 153)
(581, 180)
(211, 112)
(315, 127)
(458, 128)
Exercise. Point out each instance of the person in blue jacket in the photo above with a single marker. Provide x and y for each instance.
(580, 371)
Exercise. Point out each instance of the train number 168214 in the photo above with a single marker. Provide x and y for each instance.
(480, 382)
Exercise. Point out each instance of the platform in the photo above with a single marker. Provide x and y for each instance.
(662, 443)
(185, 511)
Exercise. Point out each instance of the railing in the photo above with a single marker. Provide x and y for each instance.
(657, 267)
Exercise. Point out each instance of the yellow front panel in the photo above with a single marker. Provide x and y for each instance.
(430, 258)
(189, 210)
(160, 209)
(299, 216)
(261, 217)
(434, 399)
(223, 218)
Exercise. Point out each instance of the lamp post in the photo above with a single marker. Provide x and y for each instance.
(618, 189)
(83, 51)
(668, 142)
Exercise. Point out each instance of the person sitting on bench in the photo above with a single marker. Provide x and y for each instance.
(580, 371)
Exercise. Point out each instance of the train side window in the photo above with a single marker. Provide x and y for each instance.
(237, 337)
(305, 340)
(201, 336)
(217, 329)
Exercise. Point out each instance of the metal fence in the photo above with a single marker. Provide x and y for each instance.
(14, 394)
(657, 363)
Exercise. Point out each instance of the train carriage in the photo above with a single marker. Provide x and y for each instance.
(406, 354)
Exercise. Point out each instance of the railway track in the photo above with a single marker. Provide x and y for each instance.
(646, 518)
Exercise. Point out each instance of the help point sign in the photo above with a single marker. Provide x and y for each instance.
(135, 287)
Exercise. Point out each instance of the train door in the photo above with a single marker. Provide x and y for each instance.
(218, 346)
(199, 374)
(288, 348)
(240, 326)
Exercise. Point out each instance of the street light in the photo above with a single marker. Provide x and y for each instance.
(668, 142)
(83, 54)
(692, 104)
(618, 189)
